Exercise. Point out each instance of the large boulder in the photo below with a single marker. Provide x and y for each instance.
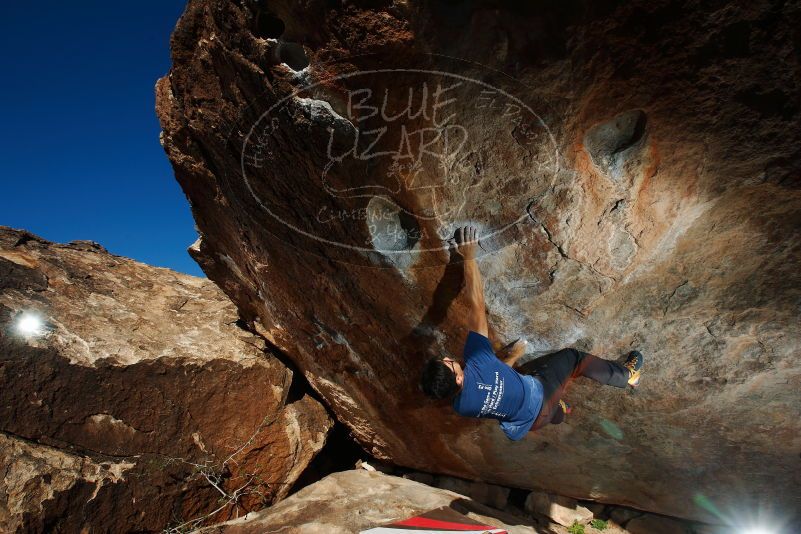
(138, 402)
(633, 168)
(348, 502)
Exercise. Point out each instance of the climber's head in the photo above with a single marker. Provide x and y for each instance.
(442, 377)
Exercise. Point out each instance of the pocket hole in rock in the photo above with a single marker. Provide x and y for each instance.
(606, 142)
(293, 55)
(392, 231)
(268, 26)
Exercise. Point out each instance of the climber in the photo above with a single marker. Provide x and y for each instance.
(522, 399)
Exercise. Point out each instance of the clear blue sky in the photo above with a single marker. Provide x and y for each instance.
(79, 144)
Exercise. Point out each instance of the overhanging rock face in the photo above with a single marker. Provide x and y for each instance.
(634, 171)
(135, 397)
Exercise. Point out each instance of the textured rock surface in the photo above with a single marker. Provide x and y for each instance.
(350, 501)
(140, 391)
(647, 196)
(37, 477)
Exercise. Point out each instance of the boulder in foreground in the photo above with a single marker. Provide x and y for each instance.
(350, 501)
(138, 403)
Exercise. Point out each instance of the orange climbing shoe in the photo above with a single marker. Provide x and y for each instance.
(634, 365)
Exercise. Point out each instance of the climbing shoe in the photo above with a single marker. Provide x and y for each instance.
(634, 365)
(565, 407)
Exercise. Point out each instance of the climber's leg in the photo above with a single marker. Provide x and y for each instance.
(553, 371)
(604, 371)
(557, 369)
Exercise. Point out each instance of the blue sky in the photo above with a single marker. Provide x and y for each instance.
(79, 144)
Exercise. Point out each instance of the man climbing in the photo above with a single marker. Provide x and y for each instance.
(522, 399)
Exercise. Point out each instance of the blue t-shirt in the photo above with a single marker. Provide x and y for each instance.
(492, 389)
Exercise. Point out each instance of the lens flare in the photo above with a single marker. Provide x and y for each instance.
(702, 501)
(751, 518)
(29, 324)
(612, 429)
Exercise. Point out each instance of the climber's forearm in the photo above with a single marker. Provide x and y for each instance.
(474, 295)
(474, 289)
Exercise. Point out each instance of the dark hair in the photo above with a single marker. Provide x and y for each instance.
(438, 380)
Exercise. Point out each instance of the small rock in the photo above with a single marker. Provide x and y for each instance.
(456, 485)
(86, 245)
(622, 515)
(374, 466)
(596, 508)
(514, 510)
(489, 494)
(364, 465)
(654, 524)
(562, 510)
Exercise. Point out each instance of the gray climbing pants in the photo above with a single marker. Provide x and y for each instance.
(558, 369)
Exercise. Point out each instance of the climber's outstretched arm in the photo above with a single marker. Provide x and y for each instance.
(466, 245)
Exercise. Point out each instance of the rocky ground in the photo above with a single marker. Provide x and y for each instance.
(140, 403)
(633, 169)
(350, 501)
